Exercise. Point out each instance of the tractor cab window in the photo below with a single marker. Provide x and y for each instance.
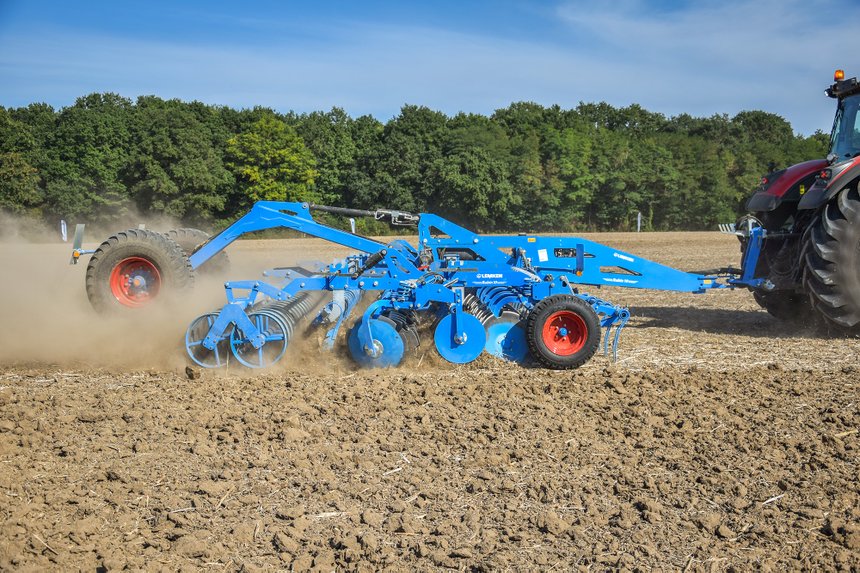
(845, 138)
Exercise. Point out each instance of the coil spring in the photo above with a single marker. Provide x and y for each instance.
(487, 303)
(473, 305)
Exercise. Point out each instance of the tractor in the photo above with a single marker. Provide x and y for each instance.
(804, 227)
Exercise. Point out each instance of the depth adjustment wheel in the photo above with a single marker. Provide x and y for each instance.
(133, 269)
(195, 336)
(269, 345)
(563, 331)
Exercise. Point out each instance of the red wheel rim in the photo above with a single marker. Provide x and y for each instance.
(564, 333)
(134, 281)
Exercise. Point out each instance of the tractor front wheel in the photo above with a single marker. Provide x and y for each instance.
(563, 332)
(832, 262)
(134, 268)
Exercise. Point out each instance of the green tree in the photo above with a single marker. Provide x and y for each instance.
(85, 158)
(472, 189)
(537, 209)
(271, 163)
(411, 144)
(329, 137)
(526, 167)
(362, 188)
(19, 185)
(176, 167)
(570, 154)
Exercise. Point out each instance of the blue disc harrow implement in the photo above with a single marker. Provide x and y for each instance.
(517, 297)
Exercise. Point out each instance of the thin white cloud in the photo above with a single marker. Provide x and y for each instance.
(775, 55)
(705, 59)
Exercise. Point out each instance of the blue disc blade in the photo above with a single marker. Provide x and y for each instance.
(507, 339)
(386, 343)
(460, 347)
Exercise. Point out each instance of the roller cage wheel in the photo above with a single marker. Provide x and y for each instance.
(832, 261)
(189, 240)
(563, 332)
(134, 268)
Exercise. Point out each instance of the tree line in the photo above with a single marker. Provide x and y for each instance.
(524, 168)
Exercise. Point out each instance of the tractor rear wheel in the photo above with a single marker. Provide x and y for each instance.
(189, 240)
(832, 261)
(787, 306)
(134, 268)
(563, 332)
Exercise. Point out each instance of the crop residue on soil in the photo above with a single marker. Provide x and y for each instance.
(720, 441)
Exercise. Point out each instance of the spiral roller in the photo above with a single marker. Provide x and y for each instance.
(292, 310)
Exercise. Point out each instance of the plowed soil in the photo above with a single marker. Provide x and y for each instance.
(721, 440)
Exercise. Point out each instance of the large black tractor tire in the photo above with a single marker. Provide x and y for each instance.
(563, 332)
(787, 306)
(832, 262)
(189, 240)
(134, 269)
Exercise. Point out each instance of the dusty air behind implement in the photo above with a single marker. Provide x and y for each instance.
(518, 297)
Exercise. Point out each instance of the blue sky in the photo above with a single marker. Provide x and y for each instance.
(372, 57)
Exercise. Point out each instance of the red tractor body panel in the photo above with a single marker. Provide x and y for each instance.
(789, 184)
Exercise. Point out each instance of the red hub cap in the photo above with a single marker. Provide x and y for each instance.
(564, 333)
(134, 281)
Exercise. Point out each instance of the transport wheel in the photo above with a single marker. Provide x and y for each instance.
(832, 262)
(189, 240)
(134, 268)
(563, 331)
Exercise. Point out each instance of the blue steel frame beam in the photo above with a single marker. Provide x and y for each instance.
(280, 214)
(582, 261)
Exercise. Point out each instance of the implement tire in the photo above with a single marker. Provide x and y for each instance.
(189, 240)
(134, 269)
(563, 332)
(832, 261)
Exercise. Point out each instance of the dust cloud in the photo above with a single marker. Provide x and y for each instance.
(47, 317)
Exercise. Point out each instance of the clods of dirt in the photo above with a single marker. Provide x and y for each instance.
(483, 467)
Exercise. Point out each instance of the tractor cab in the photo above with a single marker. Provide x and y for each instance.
(845, 137)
